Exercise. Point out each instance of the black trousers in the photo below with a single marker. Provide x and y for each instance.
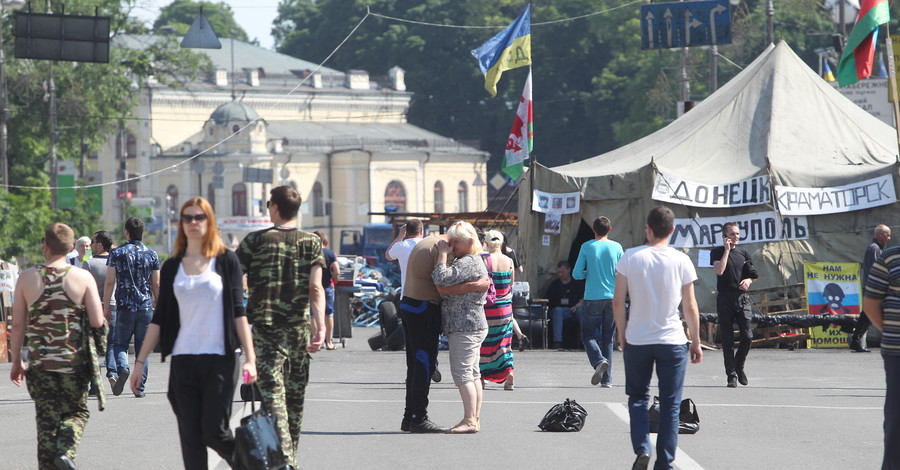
(862, 326)
(201, 390)
(734, 307)
(421, 329)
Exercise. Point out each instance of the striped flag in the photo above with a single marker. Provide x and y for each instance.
(509, 49)
(521, 136)
(827, 73)
(859, 53)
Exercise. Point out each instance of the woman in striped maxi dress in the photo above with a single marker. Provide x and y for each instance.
(496, 350)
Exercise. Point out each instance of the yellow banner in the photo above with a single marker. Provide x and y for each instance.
(831, 289)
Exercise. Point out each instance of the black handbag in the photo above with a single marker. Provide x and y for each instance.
(248, 391)
(256, 442)
(567, 416)
(688, 418)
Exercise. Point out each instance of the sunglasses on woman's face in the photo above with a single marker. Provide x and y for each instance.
(187, 218)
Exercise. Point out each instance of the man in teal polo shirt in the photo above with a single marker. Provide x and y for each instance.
(596, 264)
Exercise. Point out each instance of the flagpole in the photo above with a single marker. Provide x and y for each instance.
(892, 76)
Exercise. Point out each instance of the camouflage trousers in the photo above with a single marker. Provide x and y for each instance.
(60, 401)
(282, 364)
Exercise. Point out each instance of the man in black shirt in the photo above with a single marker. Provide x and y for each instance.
(564, 297)
(734, 272)
(879, 241)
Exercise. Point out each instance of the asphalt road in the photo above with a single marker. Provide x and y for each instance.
(803, 409)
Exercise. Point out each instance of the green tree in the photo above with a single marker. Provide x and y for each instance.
(92, 101)
(180, 15)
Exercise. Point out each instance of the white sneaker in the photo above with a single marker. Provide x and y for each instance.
(598, 372)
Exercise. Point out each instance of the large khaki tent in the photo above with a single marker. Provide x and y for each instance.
(775, 124)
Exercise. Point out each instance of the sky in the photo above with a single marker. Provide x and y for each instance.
(255, 16)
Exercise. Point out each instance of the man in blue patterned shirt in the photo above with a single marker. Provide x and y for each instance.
(882, 305)
(134, 271)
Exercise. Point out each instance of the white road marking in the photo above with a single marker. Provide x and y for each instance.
(682, 460)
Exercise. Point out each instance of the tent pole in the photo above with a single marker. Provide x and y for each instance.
(892, 76)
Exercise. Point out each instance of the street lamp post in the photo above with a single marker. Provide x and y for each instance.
(11, 5)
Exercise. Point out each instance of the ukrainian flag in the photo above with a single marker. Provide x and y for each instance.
(509, 49)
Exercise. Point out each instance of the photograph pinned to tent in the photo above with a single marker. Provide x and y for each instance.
(552, 222)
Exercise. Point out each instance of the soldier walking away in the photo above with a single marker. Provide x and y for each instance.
(55, 310)
(284, 275)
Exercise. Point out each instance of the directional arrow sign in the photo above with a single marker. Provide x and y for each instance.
(649, 19)
(685, 24)
(668, 17)
(716, 10)
(689, 23)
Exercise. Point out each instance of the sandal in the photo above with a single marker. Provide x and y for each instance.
(510, 383)
(330, 347)
(524, 342)
(466, 426)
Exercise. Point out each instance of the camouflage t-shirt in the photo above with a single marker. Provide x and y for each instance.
(54, 333)
(277, 262)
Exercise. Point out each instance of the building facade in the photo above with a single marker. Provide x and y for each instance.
(340, 138)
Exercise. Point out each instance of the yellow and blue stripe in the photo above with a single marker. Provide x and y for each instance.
(509, 49)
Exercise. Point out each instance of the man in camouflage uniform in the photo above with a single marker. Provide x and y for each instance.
(49, 314)
(284, 276)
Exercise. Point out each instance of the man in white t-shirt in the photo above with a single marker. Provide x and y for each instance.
(656, 278)
(399, 249)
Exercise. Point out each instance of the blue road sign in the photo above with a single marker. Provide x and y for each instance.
(685, 24)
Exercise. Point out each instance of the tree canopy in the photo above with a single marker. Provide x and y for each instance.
(92, 101)
(180, 14)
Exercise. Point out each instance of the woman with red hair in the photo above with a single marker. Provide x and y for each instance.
(199, 320)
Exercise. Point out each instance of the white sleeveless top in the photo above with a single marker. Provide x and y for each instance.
(201, 312)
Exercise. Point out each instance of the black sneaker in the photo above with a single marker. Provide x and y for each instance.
(558, 346)
(426, 427)
(641, 462)
(742, 378)
(64, 463)
(732, 382)
(120, 383)
(405, 424)
(436, 375)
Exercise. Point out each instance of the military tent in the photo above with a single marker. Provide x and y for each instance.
(805, 172)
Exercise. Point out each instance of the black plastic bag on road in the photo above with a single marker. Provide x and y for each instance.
(567, 416)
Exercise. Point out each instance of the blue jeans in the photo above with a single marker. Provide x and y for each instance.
(130, 323)
(329, 303)
(598, 315)
(558, 315)
(111, 370)
(671, 363)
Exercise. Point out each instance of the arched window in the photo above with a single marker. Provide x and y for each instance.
(172, 202)
(463, 204)
(318, 202)
(395, 197)
(239, 199)
(211, 195)
(439, 197)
